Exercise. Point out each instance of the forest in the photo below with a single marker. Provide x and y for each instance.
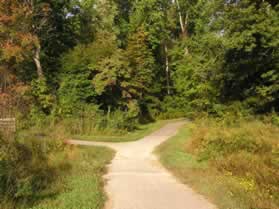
(88, 68)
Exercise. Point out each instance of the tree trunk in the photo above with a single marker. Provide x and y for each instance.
(183, 23)
(180, 17)
(37, 61)
(167, 70)
(108, 114)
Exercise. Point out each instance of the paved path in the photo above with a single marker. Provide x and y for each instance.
(136, 180)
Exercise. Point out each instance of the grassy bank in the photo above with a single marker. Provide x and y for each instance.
(140, 132)
(82, 188)
(234, 165)
(51, 175)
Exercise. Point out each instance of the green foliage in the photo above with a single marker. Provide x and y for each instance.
(151, 15)
(224, 61)
(101, 73)
(172, 107)
(42, 96)
(78, 71)
(141, 56)
(142, 64)
(124, 76)
(251, 61)
(196, 71)
(25, 170)
(113, 75)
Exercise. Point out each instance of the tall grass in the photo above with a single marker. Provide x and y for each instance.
(28, 170)
(83, 122)
(38, 170)
(233, 161)
(247, 150)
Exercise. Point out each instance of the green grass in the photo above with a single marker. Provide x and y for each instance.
(199, 175)
(140, 132)
(83, 187)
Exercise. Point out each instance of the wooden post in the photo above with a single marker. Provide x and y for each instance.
(8, 127)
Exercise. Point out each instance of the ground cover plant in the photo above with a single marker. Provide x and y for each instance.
(234, 164)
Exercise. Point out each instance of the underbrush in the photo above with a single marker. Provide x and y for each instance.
(87, 122)
(233, 162)
(29, 170)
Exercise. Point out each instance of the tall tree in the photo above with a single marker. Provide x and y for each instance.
(251, 62)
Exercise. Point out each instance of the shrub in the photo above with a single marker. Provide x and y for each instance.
(43, 99)
(234, 110)
(175, 107)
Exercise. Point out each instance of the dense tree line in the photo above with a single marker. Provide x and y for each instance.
(142, 57)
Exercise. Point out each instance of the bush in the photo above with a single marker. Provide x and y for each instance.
(174, 107)
(43, 99)
(26, 170)
(234, 110)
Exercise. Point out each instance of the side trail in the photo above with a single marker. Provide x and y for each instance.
(136, 180)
